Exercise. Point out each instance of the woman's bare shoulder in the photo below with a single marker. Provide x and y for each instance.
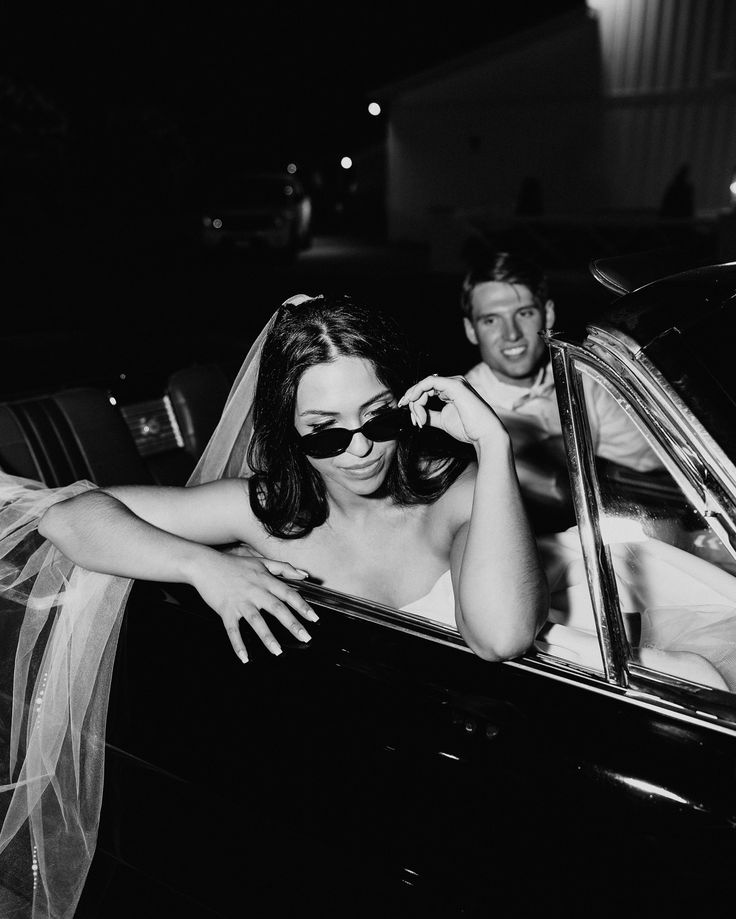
(456, 504)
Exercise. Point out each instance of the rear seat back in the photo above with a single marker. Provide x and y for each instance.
(198, 394)
(69, 435)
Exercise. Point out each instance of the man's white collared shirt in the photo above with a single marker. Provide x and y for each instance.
(614, 435)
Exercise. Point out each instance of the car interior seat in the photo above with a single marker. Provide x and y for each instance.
(62, 437)
(198, 394)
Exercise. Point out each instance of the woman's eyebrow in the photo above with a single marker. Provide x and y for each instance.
(323, 413)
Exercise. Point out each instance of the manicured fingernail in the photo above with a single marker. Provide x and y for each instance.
(304, 635)
(302, 571)
(274, 647)
(243, 656)
(311, 615)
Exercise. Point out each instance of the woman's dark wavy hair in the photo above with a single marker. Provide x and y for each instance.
(286, 493)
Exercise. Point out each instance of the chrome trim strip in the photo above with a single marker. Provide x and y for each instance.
(667, 399)
(657, 425)
(635, 697)
(173, 421)
(585, 493)
(661, 426)
(557, 669)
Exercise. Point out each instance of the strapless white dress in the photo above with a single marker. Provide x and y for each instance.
(438, 604)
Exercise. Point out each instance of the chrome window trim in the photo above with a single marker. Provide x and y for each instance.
(585, 494)
(706, 484)
(613, 344)
(641, 694)
(655, 687)
(639, 697)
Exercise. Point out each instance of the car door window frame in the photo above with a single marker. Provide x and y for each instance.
(690, 473)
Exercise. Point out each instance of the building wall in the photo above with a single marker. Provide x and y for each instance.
(603, 110)
(461, 144)
(669, 81)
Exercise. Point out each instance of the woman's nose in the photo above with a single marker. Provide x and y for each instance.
(360, 445)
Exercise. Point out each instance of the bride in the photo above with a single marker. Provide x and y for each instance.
(319, 466)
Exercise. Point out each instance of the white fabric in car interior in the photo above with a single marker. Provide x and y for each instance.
(438, 604)
(685, 602)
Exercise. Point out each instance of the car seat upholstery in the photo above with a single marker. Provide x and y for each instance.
(61, 437)
(198, 395)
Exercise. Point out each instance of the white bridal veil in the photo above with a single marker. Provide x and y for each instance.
(59, 627)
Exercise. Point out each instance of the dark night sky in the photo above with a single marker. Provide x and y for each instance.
(293, 73)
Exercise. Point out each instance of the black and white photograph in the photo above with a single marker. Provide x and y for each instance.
(368, 460)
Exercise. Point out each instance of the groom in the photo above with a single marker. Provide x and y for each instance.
(506, 306)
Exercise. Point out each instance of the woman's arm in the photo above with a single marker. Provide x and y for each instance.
(502, 598)
(167, 534)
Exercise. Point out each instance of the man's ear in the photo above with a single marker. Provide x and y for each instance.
(470, 331)
(549, 314)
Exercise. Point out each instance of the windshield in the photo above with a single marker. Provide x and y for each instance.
(698, 361)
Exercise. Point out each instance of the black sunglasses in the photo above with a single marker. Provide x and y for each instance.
(333, 441)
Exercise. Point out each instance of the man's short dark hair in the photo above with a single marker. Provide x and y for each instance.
(508, 268)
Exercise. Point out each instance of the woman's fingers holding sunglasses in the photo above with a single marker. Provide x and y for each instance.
(432, 385)
(417, 396)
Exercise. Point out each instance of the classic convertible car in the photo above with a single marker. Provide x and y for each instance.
(384, 770)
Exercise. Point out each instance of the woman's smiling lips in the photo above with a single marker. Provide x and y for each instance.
(365, 470)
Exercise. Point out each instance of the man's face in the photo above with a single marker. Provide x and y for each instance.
(505, 325)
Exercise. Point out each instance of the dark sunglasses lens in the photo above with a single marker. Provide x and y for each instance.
(322, 444)
(386, 426)
(333, 441)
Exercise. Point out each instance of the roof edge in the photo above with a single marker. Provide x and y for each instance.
(497, 48)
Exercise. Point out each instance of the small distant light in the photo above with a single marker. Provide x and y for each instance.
(732, 186)
(113, 400)
(374, 109)
(217, 223)
(123, 376)
(288, 190)
(291, 168)
(346, 162)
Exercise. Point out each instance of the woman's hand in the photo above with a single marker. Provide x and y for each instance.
(465, 416)
(240, 587)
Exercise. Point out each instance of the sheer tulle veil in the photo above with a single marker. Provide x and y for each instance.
(59, 627)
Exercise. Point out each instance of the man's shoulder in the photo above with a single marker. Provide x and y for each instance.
(482, 380)
(477, 372)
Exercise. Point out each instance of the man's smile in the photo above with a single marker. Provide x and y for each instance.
(514, 351)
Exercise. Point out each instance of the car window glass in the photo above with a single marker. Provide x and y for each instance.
(675, 579)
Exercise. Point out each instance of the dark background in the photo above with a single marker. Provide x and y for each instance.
(114, 117)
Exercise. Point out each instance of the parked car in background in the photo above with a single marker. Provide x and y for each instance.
(259, 211)
(383, 769)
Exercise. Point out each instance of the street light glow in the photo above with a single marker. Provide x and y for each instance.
(374, 108)
(291, 168)
(346, 162)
